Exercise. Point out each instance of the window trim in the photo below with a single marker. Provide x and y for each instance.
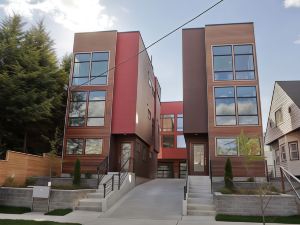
(281, 122)
(180, 117)
(83, 146)
(216, 145)
(281, 158)
(162, 124)
(289, 145)
(162, 140)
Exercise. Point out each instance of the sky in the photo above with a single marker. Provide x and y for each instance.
(277, 31)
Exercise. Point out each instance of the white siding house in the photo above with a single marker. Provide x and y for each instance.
(283, 129)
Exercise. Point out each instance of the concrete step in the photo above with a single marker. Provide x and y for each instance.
(90, 202)
(204, 200)
(201, 212)
(95, 195)
(194, 206)
(89, 208)
(199, 195)
(197, 190)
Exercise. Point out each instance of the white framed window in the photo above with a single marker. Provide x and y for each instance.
(283, 153)
(294, 151)
(278, 117)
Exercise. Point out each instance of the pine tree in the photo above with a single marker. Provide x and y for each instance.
(228, 177)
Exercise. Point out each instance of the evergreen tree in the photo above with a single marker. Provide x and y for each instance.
(228, 177)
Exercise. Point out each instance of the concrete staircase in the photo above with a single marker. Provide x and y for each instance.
(200, 199)
(94, 201)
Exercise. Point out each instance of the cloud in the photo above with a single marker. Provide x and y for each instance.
(297, 41)
(291, 3)
(75, 15)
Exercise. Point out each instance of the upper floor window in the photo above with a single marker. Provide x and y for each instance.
(236, 105)
(283, 153)
(277, 157)
(294, 151)
(87, 108)
(239, 67)
(168, 141)
(90, 68)
(278, 117)
(180, 122)
(180, 141)
(167, 122)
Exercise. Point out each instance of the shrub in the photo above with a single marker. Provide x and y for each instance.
(228, 177)
(9, 182)
(88, 175)
(225, 191)
(30, 181)
(250, 179)
(77, 173)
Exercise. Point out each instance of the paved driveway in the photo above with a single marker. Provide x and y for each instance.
(156, 199)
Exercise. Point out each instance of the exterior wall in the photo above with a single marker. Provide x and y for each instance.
(221, 35)
(88, 42)
(20, 166)
(291, 120)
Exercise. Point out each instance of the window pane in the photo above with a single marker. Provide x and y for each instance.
(226, 146)
(76, 122)
(168, 141)
(245, 75)
(223, 76)
(79, 96)
(246, 91)
(243, 49)
(77, 109)
(225, 106)
(93, 146)
(99, 80)
(244, 62)
(98, 56)
(74, 146)
(278, 116)
(81, 69)
(248, 120)
(96, 109)
(222, 50)
(168, 122)
(99, 68)
(247, 106)
(95, 122)
(180, 141)
(80, 81)
(225, 120)
(224, 92)
(97, 95)
(179, 122)
(81, 57)
(222, 63)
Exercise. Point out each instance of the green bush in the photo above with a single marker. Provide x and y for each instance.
(226, 191)
(250, 179)
(88, 175)
(30, 181)
(77, 173)
(10, 182)
(228, 176)
(59, 212)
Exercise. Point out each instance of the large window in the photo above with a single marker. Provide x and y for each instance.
(76, 146)
(90, 68)
(278, 117)
(180, 122)
(226, 146)
(168, 141)
(80, 114)
(243, 67)
(167, 122)
(236, 107)
(180, 141)
(294, 151)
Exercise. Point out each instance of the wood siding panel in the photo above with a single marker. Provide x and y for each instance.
(21, 165)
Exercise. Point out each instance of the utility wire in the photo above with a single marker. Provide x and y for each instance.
(160, 39)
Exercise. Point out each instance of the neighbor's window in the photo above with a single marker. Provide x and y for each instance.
(283, 153)
(180, 141)
(278, 117)
(222, 56)
(244, 62)
(167, 122)
(74, 146)
(93, 146)
(277, 155)
(77, 109)
(96, 109)
(90, 68)
(180, 122)
(226, 146)
(168, 141)
(247, 105)
(294, 151)
(225, 106)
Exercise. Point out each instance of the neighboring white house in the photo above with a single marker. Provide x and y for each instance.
(283, 129)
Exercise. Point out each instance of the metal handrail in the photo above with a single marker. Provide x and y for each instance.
(122, 175)
(285, 173)
(210, 175)
(102, 170)
(108, 186)
(186, 187)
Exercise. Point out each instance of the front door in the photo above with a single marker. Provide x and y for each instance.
(125, 155)
(198, 159)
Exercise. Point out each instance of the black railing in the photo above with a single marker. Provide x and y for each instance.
(108, 186)
(123, 172)
(210, 175)
(102, 169)
(186, 180)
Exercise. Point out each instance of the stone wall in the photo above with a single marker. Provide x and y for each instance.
(59, 199)
(64, 181)
(249, 205)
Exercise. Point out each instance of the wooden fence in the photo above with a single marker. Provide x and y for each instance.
(21, 165)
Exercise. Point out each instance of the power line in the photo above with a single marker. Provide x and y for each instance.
(149, 46)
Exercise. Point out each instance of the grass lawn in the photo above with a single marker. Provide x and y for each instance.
(13, 209)
(258, 219)
(32, 222)
(59, 212)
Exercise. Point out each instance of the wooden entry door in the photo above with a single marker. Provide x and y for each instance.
(199, 159)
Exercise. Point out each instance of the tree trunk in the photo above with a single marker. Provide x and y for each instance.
(25, 141)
